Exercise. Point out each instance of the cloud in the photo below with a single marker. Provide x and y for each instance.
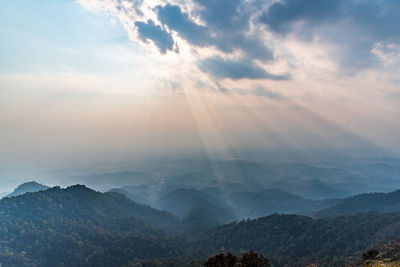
(345, 32)
(379, 19)
(227, 27)
(281, 16)
(173, 17)
(235, 69)
(149, 31)
(229, 21)
(353, 27)
(388, 53)
(259, 91)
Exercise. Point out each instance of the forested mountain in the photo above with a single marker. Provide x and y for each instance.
(254, 205)
(311, 188)
(385, 254)
(197, 209)
(134, 197)
(291, 240)
(79, 227)
(27, 187)
(381, 202)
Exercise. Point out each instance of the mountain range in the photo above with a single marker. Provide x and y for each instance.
(78, 226)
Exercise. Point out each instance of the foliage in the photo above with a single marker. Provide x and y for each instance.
(380, 202)
(81, 227)
(291, 240)
(250, 259)
(27, 187)
(78, 227)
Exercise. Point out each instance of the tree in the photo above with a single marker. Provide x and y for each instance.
(221, 260)
(370, 255)
(250, 259)
(253, 259)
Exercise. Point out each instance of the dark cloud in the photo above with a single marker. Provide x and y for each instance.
(173, 17)
(282, 15)
(350, 27)
(149, 31)
(229, 21)
(379, 18)
(353, 25)
(227, 27)
(235, 69)
(224, 15)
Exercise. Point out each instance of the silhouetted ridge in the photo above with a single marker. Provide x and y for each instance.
(78, 226)
(27, 187)
(293, 240)
(380, 202)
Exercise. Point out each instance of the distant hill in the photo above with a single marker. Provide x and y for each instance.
(381, 202)
(136, 198)
(121, 178)
(311, 189)
(197, 209)
(254, 205)
(27, 187)
(292, 240)
(80, 227)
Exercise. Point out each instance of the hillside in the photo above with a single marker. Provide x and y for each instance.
(254, 205)
(88, 228)
(291, 240)
(136, 198)
(382, 255)
(191, 203)
(381, 202)
(26, 188)
(79, 226)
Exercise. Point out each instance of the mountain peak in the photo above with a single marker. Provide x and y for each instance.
(27, 187)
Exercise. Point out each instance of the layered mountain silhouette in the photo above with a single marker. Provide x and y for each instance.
(254, 205)
(27, 187)
(78, 226)
(380, 202)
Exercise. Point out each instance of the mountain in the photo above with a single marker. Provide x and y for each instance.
(136, 198)
(385, 254)
(254, 205)
(77, 226)
(117, 179)
(27, 187)
(381, 202)
(198, 209)
(312, 188)
(292, 240)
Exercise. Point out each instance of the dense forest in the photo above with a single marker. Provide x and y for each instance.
(382, 202)
(292, 240)
(78, 226)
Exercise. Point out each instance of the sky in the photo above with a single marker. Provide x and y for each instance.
(85, 82)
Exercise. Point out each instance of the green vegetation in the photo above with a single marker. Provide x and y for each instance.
(247, 260)
(381, 202)
(26, 188)
(254, 205)
(291, 240)
(77, 226)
